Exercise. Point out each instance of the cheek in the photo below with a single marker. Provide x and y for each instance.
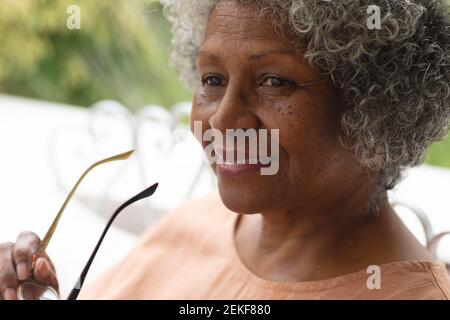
(309, 132)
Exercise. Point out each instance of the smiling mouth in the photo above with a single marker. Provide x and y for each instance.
(223, 157)
(242, 166)
(235, 169)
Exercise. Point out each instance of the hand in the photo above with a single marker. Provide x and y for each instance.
(15, 265)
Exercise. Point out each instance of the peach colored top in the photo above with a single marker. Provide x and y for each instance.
(190, 254)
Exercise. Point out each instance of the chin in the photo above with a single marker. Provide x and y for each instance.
(247, 199)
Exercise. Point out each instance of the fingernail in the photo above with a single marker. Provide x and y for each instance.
(43, 268)
(10, 294)
(22, 271)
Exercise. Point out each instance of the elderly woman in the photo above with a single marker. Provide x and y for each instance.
(357, 90)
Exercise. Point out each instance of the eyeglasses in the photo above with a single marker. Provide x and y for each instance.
(32, 289)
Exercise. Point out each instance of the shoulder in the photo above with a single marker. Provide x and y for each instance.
(192, 220)
(187, 236)
(416, 280)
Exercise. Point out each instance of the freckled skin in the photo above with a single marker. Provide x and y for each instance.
(319, 185)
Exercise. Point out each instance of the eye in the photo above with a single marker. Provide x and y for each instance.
(212, 81)
(276, 82)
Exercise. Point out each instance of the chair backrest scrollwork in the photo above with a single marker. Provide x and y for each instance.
(160, 137)
(432, 240)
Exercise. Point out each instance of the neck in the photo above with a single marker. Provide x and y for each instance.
(305, 237)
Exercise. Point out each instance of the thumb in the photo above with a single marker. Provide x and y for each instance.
(44, 272)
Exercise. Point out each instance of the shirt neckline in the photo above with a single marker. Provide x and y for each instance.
(323, 284)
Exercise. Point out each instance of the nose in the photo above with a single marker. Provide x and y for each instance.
(234, 111)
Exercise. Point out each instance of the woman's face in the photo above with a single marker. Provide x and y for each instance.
(250, 79)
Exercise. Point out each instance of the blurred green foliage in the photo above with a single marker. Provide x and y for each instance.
(120, 52)
(439, 153)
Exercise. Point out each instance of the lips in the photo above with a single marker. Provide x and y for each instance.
(237, 169)
(232, 168)
(223, 157)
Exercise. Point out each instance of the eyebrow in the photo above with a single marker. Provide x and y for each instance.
(255, 56)
(262, 54)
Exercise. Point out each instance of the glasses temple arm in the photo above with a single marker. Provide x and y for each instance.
(45, 241)
(79, 284)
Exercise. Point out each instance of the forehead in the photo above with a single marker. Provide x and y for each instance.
(232, 21)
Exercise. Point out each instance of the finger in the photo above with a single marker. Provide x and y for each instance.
(8, 277)
(10, 294)
(45, 273)
(26, 246)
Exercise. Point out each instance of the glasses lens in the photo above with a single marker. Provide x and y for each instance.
(31, 290)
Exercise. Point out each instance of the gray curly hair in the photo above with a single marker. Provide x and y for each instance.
(394, 80)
